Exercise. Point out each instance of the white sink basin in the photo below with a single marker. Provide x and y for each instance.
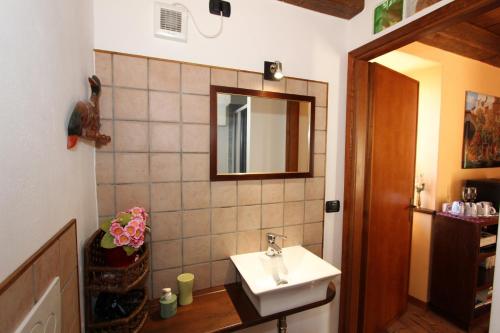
(274, 284)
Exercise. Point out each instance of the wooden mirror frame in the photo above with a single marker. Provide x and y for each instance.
(214, 90)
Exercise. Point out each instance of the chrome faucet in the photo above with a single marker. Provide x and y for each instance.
(273, 249)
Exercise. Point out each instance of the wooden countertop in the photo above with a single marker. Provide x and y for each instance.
(218, 309)
(485, 220)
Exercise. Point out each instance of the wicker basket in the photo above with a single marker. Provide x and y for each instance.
(131, 324)
(100, 277)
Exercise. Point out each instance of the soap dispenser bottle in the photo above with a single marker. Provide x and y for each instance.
(168, 304)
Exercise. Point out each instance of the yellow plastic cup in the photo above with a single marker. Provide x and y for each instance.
(185, 282)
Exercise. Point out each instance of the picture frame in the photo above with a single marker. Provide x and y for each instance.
(386, 14)
(481, 140)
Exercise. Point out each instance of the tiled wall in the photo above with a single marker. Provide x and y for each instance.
(57, 258)
(157, 113)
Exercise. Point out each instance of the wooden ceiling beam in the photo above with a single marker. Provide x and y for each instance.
(475, 36)
(456, 45)
(487, 19)
(340, 8)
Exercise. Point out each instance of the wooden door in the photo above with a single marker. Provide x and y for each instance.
(388, 195)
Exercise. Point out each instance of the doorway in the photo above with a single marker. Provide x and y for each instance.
(359, 155)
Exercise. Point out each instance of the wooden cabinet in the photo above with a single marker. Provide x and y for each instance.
(456, 276)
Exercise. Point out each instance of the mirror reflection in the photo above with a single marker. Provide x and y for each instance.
(262, 135)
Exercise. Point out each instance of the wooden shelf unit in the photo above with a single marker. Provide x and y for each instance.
(218, 309)
(456, 276)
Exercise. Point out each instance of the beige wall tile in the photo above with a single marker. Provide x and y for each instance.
(272, 190)
(294, 189)
(107, 128)
(223, 246)
(201, 275)
(249, 192)
(249, 217)
(195, 195)
(131, 167)
(45, 269)
(16, 301)
(272, 215)
(106, 103)
(318, 90)
(166, 254)
(224, 220)
(294, 212)
(131, 136)
(132, 195)
(250, 80)
(317, 249)
(195, 138)
(164, 106)
(313, 233)
(196, 223)
(248, 241)
(320, 118)
(196, 109)
(223, 272)
(69, 303)
(130, 71)
(314, 211)
(165, 196)
(164, 75)
(263, 237)
(294, 235)
(166, 278)
(298, 87)
(131, 104)
(104, 169)
(166, 226)
(223, 194)
(165, 137)
(103, 67)
(106, 200)
(315, 188)
(319, 165)
(196, 250)
(224, 77)
(195, 167)
(195, 79)
(276, 86)
(319, 142)
(165, 167)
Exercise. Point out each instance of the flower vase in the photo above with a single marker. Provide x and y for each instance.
(117, 257)
(419, 202)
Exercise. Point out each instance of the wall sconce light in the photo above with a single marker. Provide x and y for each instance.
(273, 70)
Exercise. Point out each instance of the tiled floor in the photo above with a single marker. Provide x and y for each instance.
(418, 320)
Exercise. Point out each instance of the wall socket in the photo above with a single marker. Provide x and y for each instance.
(217, 7)
(332, 206)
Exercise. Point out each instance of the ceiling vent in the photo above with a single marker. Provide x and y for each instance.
(170, 22)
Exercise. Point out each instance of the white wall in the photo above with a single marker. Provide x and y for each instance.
(267, 135)
(310, 45)
(46, 58)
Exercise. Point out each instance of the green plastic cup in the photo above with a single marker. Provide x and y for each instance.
(185, 282)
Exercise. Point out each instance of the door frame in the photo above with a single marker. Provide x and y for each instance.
(358, 139)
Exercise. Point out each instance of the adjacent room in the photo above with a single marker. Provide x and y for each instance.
(250, 166)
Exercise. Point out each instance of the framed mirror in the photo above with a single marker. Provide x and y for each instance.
(260, 134)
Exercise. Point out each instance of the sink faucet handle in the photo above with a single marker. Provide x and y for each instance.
(271, 237)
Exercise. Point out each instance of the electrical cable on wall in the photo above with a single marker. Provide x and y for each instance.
(217, 34)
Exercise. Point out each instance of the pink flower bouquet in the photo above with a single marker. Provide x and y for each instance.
(127, 230)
